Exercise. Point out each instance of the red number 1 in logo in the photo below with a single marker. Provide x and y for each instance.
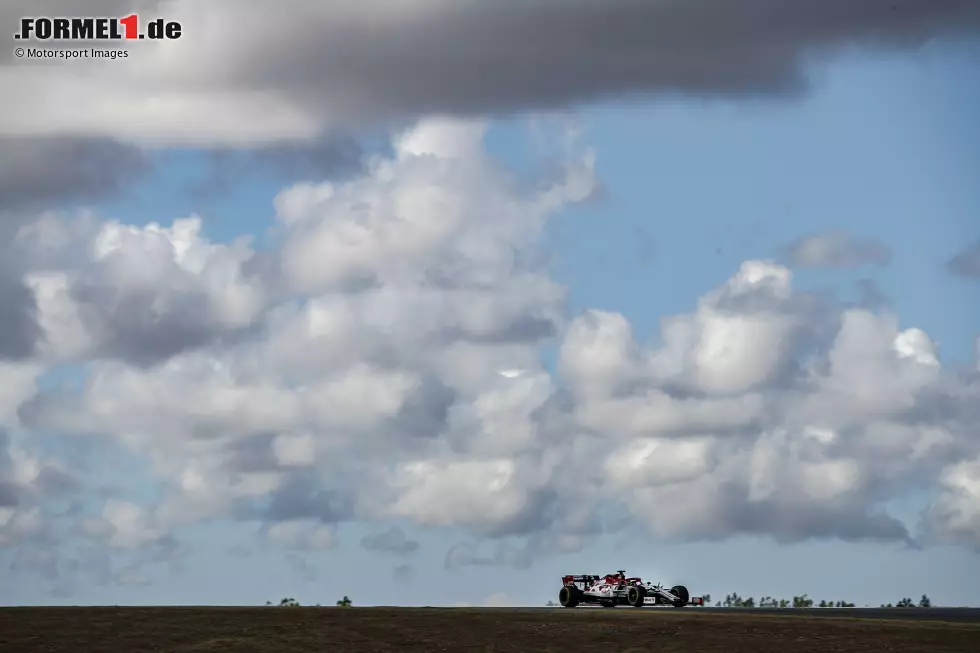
(129, 22)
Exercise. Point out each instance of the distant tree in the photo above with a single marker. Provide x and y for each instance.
(550, 604)
(289, 602)
(733, 600)
(748, 603)
(268, 602)
(344, 602)
(707, 599)
(768, 602)
(802, 601)
(783, 603)
(823, 604)
(924, 602)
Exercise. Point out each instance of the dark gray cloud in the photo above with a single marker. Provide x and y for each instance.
(41, 173)
(301, 497)
(133, 330)
(332, 156)
(836, 249)
(426, 410)
(480, 57)
(8, 494)
(967, 262)
(38, 173)
(377, 63)
(392, 541)
(19, 329)
(789, 521)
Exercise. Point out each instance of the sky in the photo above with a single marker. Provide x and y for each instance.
(432, 302)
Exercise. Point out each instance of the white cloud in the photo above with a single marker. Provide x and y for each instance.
(480, 494)
(127, 525)
(955, 515)
(365, 379)
(140, 293)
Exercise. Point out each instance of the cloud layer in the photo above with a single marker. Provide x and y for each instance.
(257, 73)
(384, 364)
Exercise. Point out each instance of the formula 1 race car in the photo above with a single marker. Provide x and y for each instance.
(616, 589)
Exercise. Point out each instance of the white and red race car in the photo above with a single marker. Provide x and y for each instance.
(616, 589)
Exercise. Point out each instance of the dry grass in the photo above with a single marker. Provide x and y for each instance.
(334, 630)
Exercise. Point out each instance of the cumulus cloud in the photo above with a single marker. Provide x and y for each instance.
(296, 414)
(837, 249)
(966, 263)
(105, 289)
(384, 363)
(26, 481)
(249, 73)
(955, 516)
(123, 525)
(810, 452)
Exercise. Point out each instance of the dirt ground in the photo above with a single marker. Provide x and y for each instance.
(330, 630)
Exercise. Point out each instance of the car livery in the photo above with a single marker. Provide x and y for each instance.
(616, 589)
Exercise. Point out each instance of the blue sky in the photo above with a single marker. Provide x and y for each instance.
(884, 147)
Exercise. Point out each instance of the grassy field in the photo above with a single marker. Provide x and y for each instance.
(335, 630)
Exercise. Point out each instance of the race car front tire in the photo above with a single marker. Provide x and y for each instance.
(682, 595)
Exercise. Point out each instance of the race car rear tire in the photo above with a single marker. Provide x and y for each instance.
(568, 596)
(634, 596)
(682, 595)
